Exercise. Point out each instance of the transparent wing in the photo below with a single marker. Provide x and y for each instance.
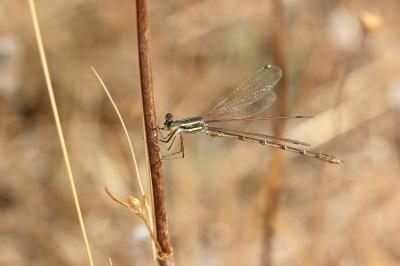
(252, 97)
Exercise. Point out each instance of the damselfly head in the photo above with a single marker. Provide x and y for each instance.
(169, 118)
(169, 121)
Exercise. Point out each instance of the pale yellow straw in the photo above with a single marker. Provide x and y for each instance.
(149, 213)
(58, 125)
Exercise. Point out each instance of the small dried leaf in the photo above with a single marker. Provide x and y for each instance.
(135, 204)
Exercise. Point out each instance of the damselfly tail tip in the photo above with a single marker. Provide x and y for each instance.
(329, 158)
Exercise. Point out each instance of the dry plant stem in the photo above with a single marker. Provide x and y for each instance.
(274, 175)
(148, 213)
(157, 176)
(139, 213)
(279, 45)
(59, 128)
(135, 165)
(271, 197)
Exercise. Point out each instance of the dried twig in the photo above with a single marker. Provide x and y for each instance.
(157, 177)
(138, 207)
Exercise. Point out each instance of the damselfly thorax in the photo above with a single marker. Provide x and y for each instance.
(187, 125)
(251, 98)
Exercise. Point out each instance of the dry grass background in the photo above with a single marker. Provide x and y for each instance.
(328, 214)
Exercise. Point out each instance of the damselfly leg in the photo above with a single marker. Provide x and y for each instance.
(169, 140)
(178, 154)
(168, 137)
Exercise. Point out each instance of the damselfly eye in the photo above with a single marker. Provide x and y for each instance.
(168, 117)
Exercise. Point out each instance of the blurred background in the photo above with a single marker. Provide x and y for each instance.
(229, 202)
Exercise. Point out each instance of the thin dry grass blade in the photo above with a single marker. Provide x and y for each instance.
(58, 126)
(125, 130)
(149, 213)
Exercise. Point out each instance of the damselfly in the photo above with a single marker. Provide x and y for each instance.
(251, 98)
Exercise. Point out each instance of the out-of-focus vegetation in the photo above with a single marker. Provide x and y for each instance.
(342, 67)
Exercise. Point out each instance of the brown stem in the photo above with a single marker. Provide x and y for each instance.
(157, 176)
(279, 45)
(274, 177)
